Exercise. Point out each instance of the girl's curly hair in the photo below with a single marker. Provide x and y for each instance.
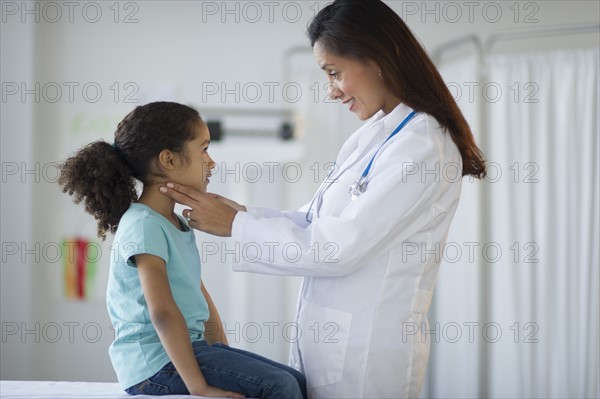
(103, 176)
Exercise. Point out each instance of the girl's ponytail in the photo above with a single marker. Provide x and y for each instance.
(100, 177)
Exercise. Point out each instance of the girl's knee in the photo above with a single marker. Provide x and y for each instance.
(299, 377)
(288, 386)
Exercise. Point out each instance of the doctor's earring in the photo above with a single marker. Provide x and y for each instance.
(380, 75)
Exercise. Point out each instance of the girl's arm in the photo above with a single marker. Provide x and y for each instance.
(171, 326)
(214, 328)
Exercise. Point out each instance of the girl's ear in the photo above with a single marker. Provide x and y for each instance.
(168, 160)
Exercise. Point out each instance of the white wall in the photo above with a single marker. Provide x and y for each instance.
(17, 124)
(176, 49)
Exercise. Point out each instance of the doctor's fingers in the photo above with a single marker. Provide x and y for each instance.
(181, 194)
(228, 202)
(193, 223)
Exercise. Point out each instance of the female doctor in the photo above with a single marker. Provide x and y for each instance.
(385, 210)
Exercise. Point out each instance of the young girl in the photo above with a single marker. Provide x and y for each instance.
(156, 300)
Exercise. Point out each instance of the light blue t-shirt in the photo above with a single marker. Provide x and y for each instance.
(137, 353)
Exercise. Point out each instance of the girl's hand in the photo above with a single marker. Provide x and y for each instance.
(212, 392)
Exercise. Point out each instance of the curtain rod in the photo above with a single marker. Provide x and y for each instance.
(473, 39)
(511, 35)
(539, 32)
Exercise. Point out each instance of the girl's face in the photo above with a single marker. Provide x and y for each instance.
(356, 84)
(195, 171)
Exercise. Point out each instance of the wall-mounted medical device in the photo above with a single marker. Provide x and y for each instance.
(248, 122)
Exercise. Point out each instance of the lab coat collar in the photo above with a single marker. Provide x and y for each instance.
(376, 129)
(357, 139)
(394, 118)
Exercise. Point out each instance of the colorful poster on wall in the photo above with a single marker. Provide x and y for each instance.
(79, 271)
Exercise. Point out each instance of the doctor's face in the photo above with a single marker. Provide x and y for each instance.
(356, 84)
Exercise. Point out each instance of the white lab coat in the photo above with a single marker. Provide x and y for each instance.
(370, 265)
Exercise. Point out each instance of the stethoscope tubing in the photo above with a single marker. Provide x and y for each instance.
(359, 186)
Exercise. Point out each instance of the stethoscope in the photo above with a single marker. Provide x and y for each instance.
(358, 187)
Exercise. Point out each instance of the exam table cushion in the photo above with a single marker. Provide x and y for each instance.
(70, 389)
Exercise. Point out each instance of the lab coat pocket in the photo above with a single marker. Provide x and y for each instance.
(323, 343)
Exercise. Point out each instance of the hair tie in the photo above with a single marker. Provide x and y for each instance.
(114, 146)
(121, 157)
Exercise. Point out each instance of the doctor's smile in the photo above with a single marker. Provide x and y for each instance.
(357, 83)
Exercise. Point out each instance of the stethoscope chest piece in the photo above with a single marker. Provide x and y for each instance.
(357, 188)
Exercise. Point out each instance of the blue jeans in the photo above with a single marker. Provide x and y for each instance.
(230, 369)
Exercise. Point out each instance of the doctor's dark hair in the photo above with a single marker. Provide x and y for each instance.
(370, 30)
(104, 175)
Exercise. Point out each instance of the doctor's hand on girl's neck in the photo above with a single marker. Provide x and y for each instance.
(358, 84)
(191, 167)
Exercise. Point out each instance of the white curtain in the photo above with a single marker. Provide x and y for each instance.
(544, 214)
(533, 286)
